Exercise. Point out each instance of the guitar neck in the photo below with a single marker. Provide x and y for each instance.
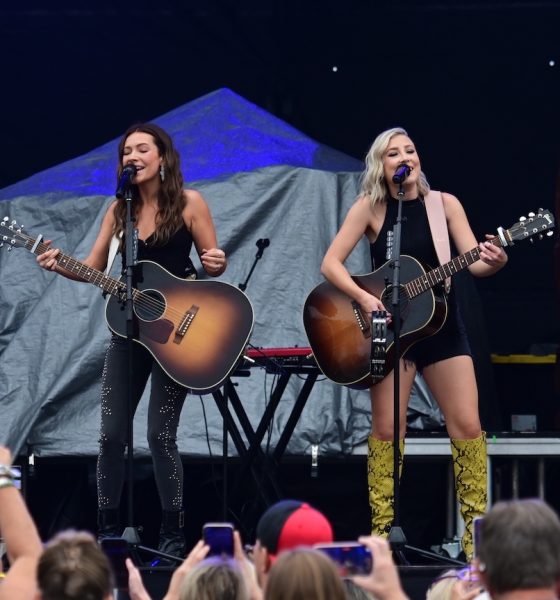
(431, 278)
(108, 284)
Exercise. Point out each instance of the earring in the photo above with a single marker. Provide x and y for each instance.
(162, 173)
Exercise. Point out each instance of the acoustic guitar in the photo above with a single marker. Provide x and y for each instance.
(354, 350)
(196, 330)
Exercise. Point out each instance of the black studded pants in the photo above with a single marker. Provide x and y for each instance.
(164, 410)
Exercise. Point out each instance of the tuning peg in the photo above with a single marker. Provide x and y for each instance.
(549, 233)
(532, 240)
(522, 219)
(531, 214)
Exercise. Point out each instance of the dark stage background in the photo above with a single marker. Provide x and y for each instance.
(476, 84)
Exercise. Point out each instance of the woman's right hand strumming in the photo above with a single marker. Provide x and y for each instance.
(48, 260)
(370, 304)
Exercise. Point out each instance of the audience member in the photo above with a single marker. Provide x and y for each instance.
(215, 578)
(205, 579)
(286, 525)
(455, 584)
(304, 574)
(519, 551)
(73, 567)
(20, 536)
(383, 581)
(354, 591)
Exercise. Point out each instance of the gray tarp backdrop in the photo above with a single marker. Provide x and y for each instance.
(261, 179)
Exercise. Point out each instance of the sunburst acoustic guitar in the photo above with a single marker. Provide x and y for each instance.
(196, 330)
(353, 349)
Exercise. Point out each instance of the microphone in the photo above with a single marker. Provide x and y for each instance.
(263, 243)
(402, 172)
(125, 180)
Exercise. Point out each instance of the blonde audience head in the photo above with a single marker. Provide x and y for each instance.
(215, 578)
(304, 574)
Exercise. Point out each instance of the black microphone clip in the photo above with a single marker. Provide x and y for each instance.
(402, 172)
(261, 245)
(125, 180)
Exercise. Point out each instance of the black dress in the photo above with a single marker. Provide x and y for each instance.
(416, 241)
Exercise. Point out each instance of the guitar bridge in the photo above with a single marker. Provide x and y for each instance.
(185, 323)
(362, 323)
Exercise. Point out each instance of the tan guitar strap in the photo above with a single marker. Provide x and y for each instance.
(438, 228)
(113, 249)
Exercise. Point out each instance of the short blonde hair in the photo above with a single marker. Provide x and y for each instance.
(442, 586)
(215, 578)
(373, 184)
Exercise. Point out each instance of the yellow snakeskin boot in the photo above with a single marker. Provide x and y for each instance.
(470, 468)
(380, 484)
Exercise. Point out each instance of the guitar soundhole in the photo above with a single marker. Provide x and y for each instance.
(149, 305)
(387, 299)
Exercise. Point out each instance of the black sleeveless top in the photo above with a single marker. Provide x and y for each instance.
(416, 237)
(416, 241)
(173, 256)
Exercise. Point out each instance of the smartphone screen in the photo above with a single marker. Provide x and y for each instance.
(219, 536)
(117, 551)
(477, 524)
(351, 558)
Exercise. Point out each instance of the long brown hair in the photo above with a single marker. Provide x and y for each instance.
(170, 195)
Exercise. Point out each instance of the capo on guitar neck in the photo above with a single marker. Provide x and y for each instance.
(37, 242)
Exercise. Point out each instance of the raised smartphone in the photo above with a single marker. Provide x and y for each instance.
(352, 558)
(117, 551)
(219, 536)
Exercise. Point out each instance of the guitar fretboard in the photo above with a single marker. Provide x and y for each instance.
(107, 284)
(423, 283)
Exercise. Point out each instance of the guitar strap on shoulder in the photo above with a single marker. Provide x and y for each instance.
(113, 249)
(438, 228)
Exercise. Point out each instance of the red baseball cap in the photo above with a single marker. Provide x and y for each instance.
(289, 524)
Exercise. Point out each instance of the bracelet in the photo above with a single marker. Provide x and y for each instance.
(6, 482)
(7, 471)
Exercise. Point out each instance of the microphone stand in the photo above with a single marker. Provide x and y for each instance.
(397, 537)
(261, 245)
(131, 253)
(131, 533)
(224, 398)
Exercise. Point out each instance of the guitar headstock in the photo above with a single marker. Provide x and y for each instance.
(11, 234)
(529, 227)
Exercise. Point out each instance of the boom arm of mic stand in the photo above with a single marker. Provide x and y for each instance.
(258, 256)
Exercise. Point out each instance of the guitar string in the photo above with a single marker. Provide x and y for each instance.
(142, 299)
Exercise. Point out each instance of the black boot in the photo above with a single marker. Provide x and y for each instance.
(171, 537)
(108, 523)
